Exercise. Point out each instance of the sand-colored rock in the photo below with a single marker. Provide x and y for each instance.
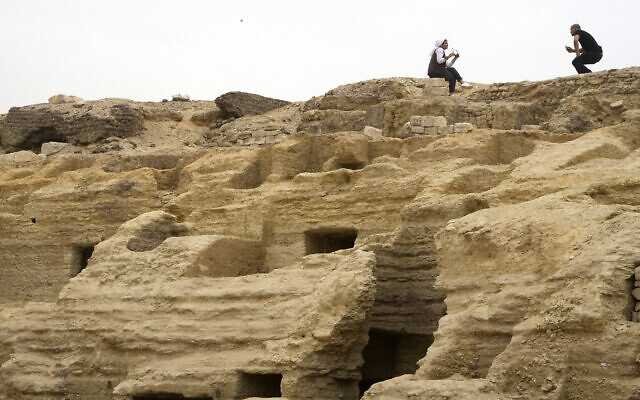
(50, 148)
(631, 115)
(206, 118)
(345, 259)
(63, 98)
(273, 126)
(291, 322)
(18, 157)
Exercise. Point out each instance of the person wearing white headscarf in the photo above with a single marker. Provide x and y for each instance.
(438, 45)
(440, 65)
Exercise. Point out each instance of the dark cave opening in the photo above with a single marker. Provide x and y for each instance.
(391, 354)
(329, 240)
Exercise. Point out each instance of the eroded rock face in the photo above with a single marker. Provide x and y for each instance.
(290, 323)
(576, 103)
(27, 128)
(238, 104)
(523, 311)
(480, 264)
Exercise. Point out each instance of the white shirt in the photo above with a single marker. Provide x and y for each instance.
(440, 57)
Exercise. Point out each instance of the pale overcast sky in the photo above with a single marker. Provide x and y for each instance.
(149, 50)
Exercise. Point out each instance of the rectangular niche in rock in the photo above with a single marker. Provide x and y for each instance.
(260, 385)
(79, 259)
(391, 354)
(328, 240)
(167, 396)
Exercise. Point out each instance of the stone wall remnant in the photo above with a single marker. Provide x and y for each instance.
(436, 125)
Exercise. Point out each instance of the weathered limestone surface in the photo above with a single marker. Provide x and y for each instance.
(360, 95)
(253, 130)
(28, 127)
(354, 106)
(572, 104)
(477, 264)
(79, 208)
(22, 156)
(238, 104)
(99, 122)
(565, 105)
(63, 98)
(523, 321)
(530, 286)
(294, 321)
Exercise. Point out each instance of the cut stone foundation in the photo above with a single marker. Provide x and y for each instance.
(436, 125)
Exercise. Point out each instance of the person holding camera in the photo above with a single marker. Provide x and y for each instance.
(590, 53)
(441, 65)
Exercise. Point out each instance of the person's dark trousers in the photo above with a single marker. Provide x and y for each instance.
(451, 76)
(586, 58)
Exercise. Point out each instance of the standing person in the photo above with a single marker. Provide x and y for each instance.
(590, 53)
(441, 67)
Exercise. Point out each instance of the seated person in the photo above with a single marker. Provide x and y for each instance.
(441, 67)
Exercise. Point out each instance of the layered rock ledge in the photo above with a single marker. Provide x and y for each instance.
(357, 245)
